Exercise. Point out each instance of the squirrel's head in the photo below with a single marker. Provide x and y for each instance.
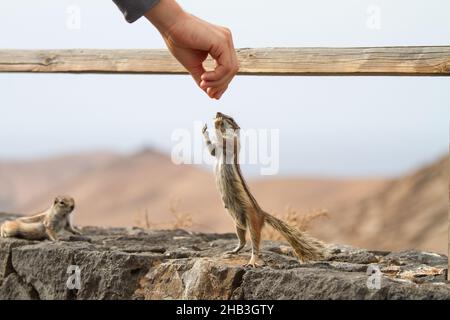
(64, 204)
(226, 125)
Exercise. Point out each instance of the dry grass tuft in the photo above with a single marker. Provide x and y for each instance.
(143, 221)
(293, 218)
(181, 219)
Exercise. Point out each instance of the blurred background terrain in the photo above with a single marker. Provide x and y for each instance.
(146, 189)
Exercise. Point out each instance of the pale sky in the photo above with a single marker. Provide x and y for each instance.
(331, 126)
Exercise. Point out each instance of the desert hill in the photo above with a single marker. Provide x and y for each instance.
(408, 212)
(21, 181)
(123, 190)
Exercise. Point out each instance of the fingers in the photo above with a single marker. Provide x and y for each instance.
(196, 73)
(216, 82)
(211, 92)
(221, 92)
(215, 89)
(218, 74)
(216, 93)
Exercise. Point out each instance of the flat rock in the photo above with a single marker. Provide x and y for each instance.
(120, 263)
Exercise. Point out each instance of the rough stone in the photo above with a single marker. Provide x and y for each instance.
(119, 263)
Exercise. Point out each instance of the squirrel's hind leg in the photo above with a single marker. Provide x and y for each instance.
(255, 226)
(241, 236)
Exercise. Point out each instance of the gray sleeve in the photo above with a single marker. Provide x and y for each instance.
(134, 9)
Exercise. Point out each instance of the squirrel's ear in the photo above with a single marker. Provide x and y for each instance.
(56, 201)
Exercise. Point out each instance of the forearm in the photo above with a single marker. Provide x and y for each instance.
(165, 14)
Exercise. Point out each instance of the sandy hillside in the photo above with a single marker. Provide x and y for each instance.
(112, 190)
(21, 182)
(409, 212)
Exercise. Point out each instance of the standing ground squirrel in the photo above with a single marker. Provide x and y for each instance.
(241, 204)
(45, 225)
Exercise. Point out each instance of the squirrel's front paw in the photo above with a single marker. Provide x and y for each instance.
(205, 127)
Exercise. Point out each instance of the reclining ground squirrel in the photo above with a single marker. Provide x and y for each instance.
(45, 225)
(241, 204)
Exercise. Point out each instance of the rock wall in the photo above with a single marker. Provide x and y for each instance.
(119, 263)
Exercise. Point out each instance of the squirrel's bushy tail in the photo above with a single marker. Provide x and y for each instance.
(305, 247)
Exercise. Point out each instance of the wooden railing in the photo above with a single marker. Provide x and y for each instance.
(385, 61)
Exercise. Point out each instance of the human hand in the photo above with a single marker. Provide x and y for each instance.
(191, 39)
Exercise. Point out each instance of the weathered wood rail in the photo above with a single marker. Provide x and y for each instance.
(385, 61)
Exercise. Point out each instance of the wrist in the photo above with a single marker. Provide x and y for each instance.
(164, 15)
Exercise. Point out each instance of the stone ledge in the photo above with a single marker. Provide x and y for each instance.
(118, 263)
